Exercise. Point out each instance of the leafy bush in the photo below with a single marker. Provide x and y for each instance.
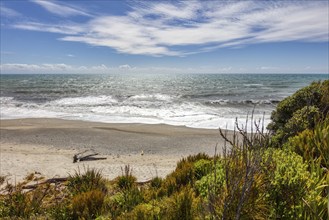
(315, 96)
(202, 167)
(87, 205)
(212, 183)
(181, 205)
(312, 144)
(289, 181)
(143, 211)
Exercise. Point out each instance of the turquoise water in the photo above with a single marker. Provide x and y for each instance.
(193, 100)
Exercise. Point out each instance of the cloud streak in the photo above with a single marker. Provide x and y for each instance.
(61, 9)
(183, 28)
(8, 12)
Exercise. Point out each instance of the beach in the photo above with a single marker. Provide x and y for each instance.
(47, 146)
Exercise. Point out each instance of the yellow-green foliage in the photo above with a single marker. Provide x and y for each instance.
(87, 205)
(202, 167)
(181, 205)
(145, 211)
(312, 144)
(289, 183)
(242, 195)
(212, 183)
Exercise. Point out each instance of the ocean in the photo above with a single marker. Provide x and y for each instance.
(192, 100)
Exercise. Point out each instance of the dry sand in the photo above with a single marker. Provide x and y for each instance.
(48, 145)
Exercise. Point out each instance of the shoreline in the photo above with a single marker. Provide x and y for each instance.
(47, 145)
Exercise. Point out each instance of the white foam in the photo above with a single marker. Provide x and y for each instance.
(108, 109)
(87, 101)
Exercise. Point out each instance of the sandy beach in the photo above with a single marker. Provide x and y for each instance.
(47, 146)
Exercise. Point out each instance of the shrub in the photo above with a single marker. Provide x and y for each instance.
(289, 180)
(156, 182)
(314, 96)
(126, 180)
(302, 119)
(129, 194)
(91, 180)
(181, 205)
(202, 167)
(183, 175)
(212, 183)
(312, 144)
(307, 96)
(143, 212)
(87, 205)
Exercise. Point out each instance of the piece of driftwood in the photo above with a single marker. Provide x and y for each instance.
(86, 156)
(52, 180)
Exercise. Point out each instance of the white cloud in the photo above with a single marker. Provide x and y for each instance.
(35, 68)
(183, 28)
(60, 8)
(125, 67)
(269, 68)
(68, 28)
(63, 68)
(8, 12)
(70, 55)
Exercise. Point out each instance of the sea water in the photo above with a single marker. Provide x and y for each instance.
(192, 100)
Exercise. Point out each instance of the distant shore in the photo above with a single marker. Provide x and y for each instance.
(48, 145)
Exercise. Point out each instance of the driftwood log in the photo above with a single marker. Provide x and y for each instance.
(52, 180)
(86, 155)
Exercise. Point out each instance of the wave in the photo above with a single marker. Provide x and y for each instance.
(134, 109)
(241, 102)
(85, 101)
(152, 97)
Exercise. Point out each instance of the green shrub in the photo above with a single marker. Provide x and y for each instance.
(307, 96)
(90, 180)
(202, 167)
(129, 194)
(156, 182)
(291, 116)
(289, 180)
(312, 144)
(168, 187)
(302, 119)
(181, 205)
(20, 203)
(212, 183)
(126, 180)
(124, 201)
(143, 212)
(87, 205)
(184, 175)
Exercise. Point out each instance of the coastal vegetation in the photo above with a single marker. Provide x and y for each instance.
(279, 173)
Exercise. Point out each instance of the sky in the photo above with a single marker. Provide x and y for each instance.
(164, 36)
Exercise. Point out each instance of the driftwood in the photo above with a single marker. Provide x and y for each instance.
(86, 156)
(52, 180)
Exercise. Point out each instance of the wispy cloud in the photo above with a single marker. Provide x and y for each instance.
(8, 12)
(183, 28)
(61, 9)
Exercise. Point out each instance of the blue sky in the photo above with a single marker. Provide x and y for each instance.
(164, 36)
